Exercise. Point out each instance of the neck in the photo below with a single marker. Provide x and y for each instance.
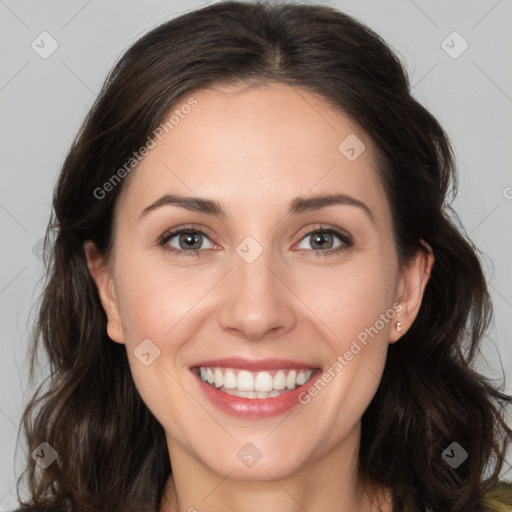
(330, 483)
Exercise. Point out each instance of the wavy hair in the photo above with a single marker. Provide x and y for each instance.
(112, 453)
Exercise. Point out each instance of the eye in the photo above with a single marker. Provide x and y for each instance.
(323, 240)
(189, 241)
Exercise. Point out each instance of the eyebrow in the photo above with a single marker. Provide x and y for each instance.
(298, 205)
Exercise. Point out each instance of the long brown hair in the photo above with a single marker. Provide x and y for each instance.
(112, 454)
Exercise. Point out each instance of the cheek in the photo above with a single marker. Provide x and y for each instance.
(155, 307)
(154, 299)
(159, 310)
(349, 299)
(355, 306)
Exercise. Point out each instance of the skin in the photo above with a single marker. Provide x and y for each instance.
(255, 149)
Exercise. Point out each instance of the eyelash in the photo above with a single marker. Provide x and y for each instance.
(165, 237)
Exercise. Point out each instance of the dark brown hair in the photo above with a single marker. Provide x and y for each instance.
(112, 451)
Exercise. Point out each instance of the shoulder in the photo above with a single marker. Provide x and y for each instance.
(498, 497)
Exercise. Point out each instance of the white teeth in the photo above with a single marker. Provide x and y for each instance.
(229, 379)
(245, 381)
(290, 379)
(254, 384)
(263, 382)
(219, 378)
(279, 381)
(301, 378)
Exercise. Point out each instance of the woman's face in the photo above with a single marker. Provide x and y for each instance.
(261, 295)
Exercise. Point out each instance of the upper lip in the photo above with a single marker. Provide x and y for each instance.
(253, 364)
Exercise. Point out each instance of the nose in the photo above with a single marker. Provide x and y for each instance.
(257, 303)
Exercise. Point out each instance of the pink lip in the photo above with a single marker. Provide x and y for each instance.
(256, 408)
(254, 365)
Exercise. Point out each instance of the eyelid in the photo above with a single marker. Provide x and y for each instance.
(340, 233)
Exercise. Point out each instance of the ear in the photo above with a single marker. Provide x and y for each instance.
(411, 286)
(101, 274)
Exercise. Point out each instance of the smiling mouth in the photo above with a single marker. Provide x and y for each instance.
(247, 384)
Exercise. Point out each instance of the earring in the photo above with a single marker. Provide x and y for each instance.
(398, 327)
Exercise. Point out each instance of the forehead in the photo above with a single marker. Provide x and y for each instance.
(250, 147)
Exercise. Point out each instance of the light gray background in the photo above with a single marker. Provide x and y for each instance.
(44, 100)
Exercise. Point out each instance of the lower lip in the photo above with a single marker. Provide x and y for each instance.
(255, 407)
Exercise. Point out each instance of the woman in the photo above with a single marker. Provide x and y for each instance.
(255, 280)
